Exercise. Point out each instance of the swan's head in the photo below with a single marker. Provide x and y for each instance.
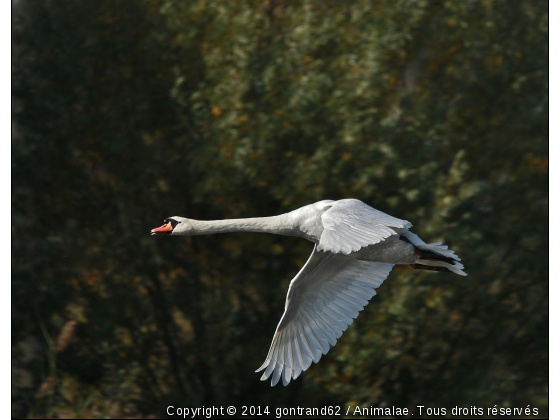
(174, 226)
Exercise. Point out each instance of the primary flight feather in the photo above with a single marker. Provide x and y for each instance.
(356, 246)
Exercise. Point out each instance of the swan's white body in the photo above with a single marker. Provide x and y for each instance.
(356, 247)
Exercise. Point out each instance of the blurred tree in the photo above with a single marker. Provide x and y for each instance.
(128, 112)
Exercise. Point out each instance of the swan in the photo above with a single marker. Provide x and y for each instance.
(356, 246)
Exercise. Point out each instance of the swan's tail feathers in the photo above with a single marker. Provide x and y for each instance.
(440, 250)
(437, 257)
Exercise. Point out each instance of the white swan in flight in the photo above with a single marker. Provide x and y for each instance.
(356, 247)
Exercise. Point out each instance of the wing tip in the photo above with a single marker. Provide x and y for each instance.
(263, 366)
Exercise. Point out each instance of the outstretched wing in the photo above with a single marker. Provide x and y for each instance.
(323, 300)
(351, 224)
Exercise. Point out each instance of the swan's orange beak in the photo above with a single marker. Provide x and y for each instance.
(162, 230)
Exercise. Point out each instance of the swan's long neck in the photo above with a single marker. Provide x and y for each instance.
(279, 225)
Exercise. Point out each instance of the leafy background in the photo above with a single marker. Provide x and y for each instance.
(129, 112)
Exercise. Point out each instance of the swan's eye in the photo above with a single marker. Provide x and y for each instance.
(172, 222)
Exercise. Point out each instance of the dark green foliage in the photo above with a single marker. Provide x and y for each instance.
(128, 112)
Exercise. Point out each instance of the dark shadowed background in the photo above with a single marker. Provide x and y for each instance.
(129, 112)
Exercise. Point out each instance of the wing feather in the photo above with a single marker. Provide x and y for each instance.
(349, 225)
(323, 299)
